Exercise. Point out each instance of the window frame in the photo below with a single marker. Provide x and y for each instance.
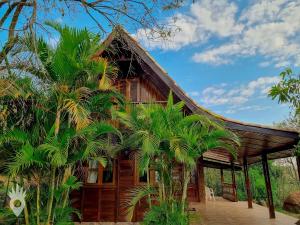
(100, 170)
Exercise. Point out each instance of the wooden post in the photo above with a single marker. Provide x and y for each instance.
(117, 189)
(222, 180)
(201, 181)
(268, 185)
(298, 165)
(247, 182)
(233, 182)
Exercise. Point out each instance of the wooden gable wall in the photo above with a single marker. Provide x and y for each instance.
(101, 201)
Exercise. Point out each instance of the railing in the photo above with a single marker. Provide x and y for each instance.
(229, 192)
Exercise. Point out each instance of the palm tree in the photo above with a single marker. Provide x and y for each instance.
(60, 152)
(70, 84)
(165, 135)
(194, 135)
(73, 74)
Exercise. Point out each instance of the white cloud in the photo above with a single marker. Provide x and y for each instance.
(59, 20)
(269, 28)
(246, 108)
(205, 19)
(184, 32)
(217, 17)
(194, 93)
(264, 64)
(237, 96)
(53, 41)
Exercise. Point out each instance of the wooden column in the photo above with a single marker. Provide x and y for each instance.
(201, 181)
(298, 165)
(222, 180)
(233, 182)
(247, 183)
(268, 185)
(117, 189)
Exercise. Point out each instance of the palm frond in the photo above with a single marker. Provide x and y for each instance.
(79, 114)
(57, 156)
(10, 89)
(14, 135)
(26, 157)
(133, 197)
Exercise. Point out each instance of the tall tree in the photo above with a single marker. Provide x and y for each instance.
(27, 16)
(50, 110)
(287, 91)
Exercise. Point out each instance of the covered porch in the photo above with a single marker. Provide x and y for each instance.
(259, 144)
(224, 212)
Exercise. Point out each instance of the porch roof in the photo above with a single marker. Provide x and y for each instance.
(255, 139)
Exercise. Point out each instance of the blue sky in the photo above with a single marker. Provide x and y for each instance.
(225, 54)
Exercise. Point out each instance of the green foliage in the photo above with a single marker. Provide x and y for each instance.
(283, 179)
(46, 123)
(7, 217)
(288, 90)
(165, 138)
(163, 214)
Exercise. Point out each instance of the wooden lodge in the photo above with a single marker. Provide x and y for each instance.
(142, 80)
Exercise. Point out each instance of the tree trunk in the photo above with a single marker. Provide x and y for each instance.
(57, 122)
(38, 203)
(186, 180)
(26, 216)
(51, 198)
(6, 191)
(67, 174)
(148, 185)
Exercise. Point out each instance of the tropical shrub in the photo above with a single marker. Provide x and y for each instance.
(166, 138)
(47, 124)
(162, 215)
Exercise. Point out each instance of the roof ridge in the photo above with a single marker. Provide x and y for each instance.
(120, 29)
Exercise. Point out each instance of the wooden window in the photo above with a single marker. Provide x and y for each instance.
(99, 175)
(156, 176)
(92, 177)
(143, 178)
(107, 174)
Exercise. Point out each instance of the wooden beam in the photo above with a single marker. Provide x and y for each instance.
(201, 181)
(298, 165)
(247, 183)
(117, 189)
(277, 149)
(268, 186)
(233, 182)
(262, 130)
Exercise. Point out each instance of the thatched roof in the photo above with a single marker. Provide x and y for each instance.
(256, 139)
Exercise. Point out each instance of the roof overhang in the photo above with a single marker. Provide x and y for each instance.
(255, 139)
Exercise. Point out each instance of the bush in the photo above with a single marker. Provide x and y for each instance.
(164, 215)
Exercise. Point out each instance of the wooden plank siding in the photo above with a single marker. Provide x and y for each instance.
(105, 201)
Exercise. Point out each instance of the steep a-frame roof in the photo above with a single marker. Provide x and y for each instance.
(256, 139)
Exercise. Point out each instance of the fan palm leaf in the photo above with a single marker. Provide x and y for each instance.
(134, 196)
(26, 157)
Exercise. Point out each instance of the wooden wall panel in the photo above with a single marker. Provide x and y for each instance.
(139, 90)
(90, 207)
(108, 202)
(126, 182)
